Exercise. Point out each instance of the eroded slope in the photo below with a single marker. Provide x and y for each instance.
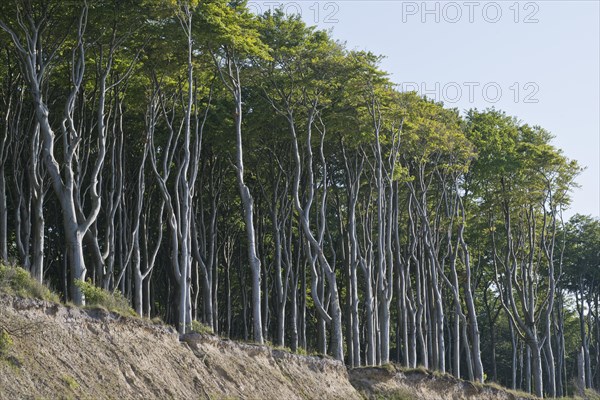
(63, 352)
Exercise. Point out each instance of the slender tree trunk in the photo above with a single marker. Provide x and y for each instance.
(316, 246)
(470, 302)
(234, 84)
(37, 259)
(514, 347)
(3, 218)
(536, 369)
(581, 385)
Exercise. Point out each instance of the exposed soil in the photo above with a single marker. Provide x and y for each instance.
(65, 352)
(390, 382)
(61, 352)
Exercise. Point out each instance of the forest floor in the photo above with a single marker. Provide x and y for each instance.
(52, 351)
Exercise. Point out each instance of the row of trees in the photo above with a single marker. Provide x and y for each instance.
(251, 173)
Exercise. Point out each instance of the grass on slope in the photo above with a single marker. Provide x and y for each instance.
(16, 281)
(98, 297)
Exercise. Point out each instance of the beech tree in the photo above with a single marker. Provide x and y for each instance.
(535, 180)
(253, 174)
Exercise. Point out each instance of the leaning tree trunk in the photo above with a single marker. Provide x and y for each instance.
(3, 207)
(35, 66)
(470, 302)
(337, 341)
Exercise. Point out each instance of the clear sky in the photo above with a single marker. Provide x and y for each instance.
(536, 60)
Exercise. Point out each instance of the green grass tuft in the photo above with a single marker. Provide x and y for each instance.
(199, 327)
(301, 351)
(18, 282)
(70, 382)
(6, 342)
(98, 297)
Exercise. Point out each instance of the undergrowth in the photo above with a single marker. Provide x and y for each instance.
(16, 281)
(98, 297)
(517, 393)
(590, 394)
(70, 382)
(199, 327)
(6, 342)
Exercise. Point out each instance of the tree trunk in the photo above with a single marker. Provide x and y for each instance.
(581, 385)
(536, 369)
(3, 218)
(234, 84)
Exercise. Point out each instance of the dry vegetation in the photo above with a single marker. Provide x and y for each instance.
(50, 351)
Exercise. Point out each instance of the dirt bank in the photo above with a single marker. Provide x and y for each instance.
(65, 352)
(391, 382)
(58, 352)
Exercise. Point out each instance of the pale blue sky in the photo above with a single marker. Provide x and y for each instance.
(544, 56)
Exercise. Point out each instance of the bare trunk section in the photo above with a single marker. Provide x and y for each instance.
(248, 205)
(316, 245)
(64, 175)
(3, 217)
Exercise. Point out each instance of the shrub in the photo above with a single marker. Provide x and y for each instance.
(591, 394)
(301, 351)
(98, 297)
(70, 382)
(6, 342)
(17, 281)
(199, 327)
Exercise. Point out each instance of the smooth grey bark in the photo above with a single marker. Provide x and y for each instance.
(187, 175)
(420, 292)
(296, 255)
(316, 245)
(22, 198)
(185, 141)
(36, 181)
(204, 239)
(3, 217)
(230, 75)
(585, 337)
(459, 317)
(403, 304)
(353, 176)
(173, 216)
(436, 319)
(548, 249)
(492, 317)
(526, 326)
(279, 214)
(413, 295)
(143, 267)
(63, 177)
(527, 362)
(384, 182)
(559, 326)
(581, 379)
(228, 248)
(469, 300)
(515, 349)
(365, 254)
(248, 205)
(4, 151)
(114, 203)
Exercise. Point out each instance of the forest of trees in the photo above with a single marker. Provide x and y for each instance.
(251, 173)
